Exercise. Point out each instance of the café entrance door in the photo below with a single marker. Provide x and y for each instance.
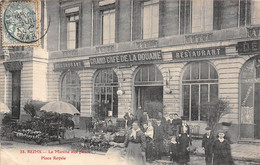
(148, 86)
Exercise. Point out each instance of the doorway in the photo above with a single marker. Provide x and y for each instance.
(148, 88)
(16, 93)
(150, 98)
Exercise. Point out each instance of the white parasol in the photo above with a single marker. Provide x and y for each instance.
(60, 107)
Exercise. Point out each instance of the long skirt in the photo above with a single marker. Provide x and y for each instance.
(134, 154)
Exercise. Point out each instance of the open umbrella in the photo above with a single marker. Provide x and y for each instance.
(60, 107)
(4, 108)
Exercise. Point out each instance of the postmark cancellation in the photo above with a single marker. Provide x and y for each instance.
(20, 23)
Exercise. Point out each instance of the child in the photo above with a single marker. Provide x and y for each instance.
(173, 150)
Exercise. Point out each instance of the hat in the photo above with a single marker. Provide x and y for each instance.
(208, 128)
(226, 124)
(220, 131)
(184, 118)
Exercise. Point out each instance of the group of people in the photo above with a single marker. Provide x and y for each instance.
(150, 139)
(145, 140)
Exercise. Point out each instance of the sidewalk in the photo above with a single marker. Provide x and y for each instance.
(243, 152)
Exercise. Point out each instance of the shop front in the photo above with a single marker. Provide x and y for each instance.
(250, 91)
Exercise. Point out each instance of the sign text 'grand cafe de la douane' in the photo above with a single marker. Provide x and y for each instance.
(106, 56)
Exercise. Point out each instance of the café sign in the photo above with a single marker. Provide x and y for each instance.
(75, 65)
(247, 47)
(135, 57)
(198, 53)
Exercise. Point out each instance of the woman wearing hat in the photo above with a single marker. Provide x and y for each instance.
(221, 150)
(184, 141)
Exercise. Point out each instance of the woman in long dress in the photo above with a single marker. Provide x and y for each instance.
(221, 150)
(184, 141)
(135, 144)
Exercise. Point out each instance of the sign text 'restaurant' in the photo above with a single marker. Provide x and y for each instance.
(127, 58)
(198, 53)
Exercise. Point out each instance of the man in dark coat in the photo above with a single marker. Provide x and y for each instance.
(158, 139)
(184, 140)
(207, 143)
(221, 150)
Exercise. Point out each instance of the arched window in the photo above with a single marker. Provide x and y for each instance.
(148, 75)
(148, 87)
(105, 93)
(70, 88)
(199, 85)
(249, 99)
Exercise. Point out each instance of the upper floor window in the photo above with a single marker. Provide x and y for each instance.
(150, 23)
(202, 15)
(255, 12)
(108, 26)
(185, 16)
(72, 16)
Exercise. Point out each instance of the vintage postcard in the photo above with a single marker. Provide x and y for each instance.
(130, 82)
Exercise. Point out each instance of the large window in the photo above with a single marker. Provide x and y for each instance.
(73, 31)
(70, 88)
(105, 93)
(150, 24)
(108, 26)
(202, 15)
(199, 85)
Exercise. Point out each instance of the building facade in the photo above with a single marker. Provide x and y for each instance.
(163, 55)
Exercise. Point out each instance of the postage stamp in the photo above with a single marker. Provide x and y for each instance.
(20, 23)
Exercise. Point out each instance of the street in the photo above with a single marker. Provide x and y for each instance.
(13, 153)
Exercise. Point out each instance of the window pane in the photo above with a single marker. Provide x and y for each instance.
(146, 22)
(186, 100)
(137, 77)
(255, 12)
(213, 73)
(194, 102)
(248, 70)
(194, 71)
(213, 92)
(186, 75)
(204, 70)
(203, 99)
(70, 89)
(105, 29)
(145, 74)
(152, 73)
(112, 28)
(155, 21)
